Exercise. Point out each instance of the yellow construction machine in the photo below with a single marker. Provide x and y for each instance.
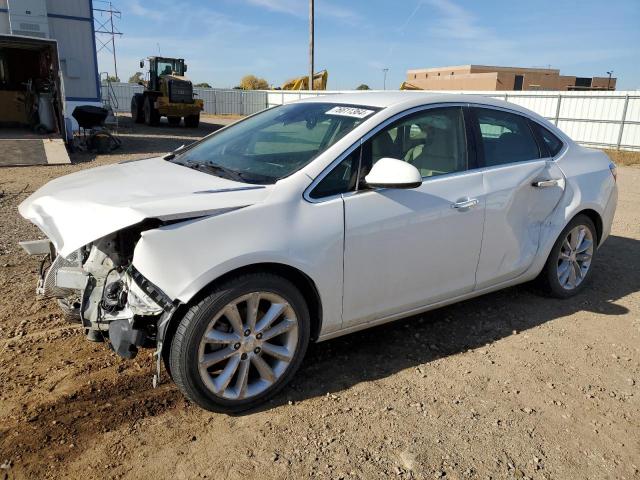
(409, 86)
(302, 83)
(167, 93)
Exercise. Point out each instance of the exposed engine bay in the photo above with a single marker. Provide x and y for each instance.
(98, 287)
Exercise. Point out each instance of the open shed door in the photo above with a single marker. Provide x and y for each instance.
(32, 127)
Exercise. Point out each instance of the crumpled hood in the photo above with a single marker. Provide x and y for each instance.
(77, 209)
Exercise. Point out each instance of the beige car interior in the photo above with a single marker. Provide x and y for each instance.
(433, 142)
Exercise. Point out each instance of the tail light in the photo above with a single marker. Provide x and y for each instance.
(614, 171)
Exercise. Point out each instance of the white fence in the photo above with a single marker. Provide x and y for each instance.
(599, 119)
(217, 101)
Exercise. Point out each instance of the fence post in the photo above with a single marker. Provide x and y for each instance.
(624, 117)
(506, 97)
(558, 108)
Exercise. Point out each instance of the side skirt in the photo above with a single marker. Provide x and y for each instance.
(525, 277)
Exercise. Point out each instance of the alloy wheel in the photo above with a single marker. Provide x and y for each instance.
(574, 259)
(248, 345)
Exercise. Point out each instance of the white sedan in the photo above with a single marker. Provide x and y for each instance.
(312, 220)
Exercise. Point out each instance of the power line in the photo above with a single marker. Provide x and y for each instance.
(311, 43)
(106, 30)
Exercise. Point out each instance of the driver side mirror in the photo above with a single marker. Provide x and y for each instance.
(185, 67)
(393, 173)
(141, 63)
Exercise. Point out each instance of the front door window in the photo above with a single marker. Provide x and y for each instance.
(433, 140)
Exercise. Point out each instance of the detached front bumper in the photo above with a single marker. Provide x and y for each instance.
(121, 306)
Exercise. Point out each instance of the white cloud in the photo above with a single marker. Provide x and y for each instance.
(155, 14)
(300, 8)
(291, 7)
(455, 22)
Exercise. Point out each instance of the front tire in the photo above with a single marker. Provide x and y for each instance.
(571, 259)
(241, 344)
(137, 102)
(192, 121)
(151, 115)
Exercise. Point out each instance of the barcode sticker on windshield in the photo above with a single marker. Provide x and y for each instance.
(349, 112)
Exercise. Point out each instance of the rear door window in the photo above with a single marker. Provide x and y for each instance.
(506, 137)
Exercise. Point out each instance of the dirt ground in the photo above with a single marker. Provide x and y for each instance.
(509, 385)
(624, 157)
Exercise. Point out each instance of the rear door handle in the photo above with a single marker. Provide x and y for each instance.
(465, 204)
(546, 183)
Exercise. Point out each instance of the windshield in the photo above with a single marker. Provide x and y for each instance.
(275, 143)
(169, 66)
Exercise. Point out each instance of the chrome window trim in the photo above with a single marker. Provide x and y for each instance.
(425, 180)
(367, 136)
(512, 164)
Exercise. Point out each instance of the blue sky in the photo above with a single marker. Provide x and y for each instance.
(223, 40)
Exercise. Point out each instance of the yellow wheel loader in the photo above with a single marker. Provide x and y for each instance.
(168, 93)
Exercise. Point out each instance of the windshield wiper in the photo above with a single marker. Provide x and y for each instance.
(219, 169)
(228, 173)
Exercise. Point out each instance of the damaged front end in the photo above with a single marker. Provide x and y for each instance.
(94, 219)
(98, 287)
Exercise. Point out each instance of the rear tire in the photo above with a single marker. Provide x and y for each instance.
(227, 360)
(151, 115)
(137, 114)
(174, 121)
(192, 121)
(571, 259)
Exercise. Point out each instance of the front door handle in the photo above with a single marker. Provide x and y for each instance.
(465, 204)
(553, 182)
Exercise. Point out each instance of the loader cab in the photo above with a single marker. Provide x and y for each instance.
(159, 66)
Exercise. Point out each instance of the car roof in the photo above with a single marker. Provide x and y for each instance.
(410, 99)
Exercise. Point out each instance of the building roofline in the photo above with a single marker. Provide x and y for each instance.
(437, 69)
(472, 66)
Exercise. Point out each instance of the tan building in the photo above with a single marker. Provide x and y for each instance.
(483, 77)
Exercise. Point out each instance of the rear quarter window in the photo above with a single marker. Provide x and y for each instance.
(553, 143)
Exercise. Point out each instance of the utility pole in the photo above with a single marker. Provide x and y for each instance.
(311, 21)
(384, 83)
(610, 72)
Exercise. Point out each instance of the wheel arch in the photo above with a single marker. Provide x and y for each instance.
(300, 279)
(596, 218)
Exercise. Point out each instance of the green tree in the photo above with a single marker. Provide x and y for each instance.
(136, 77)
(203, 85)
(363, 86)
(251, 82)
(112, 78)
